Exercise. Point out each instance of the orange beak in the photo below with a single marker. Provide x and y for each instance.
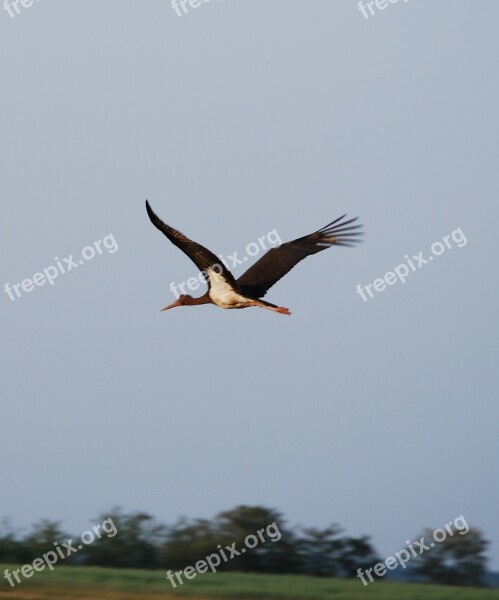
(172, 305)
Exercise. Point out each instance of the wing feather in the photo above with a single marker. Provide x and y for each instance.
(203, 258)
(273, 265)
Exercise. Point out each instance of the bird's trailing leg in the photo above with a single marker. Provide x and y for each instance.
(280, 309)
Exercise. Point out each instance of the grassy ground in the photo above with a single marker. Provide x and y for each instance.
(90, 583)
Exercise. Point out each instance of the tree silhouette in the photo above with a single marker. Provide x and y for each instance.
(270, 546)
(188, 541)
(134, 546)
(457, 560)
(44, 535)
(326, 553)
(274, 550)
(13, 549)
(355, 553)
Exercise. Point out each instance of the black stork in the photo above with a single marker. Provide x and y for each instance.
(226, 292)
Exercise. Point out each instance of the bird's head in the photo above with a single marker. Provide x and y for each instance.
(182, 300)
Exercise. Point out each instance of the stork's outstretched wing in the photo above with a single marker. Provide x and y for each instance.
(259, 278)
(202, 257)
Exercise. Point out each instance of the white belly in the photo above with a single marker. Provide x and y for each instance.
(223, 294)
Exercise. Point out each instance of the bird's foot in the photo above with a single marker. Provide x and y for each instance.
(283, 311)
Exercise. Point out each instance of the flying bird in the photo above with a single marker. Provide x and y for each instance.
(227, 292)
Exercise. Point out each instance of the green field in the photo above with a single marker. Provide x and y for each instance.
(92, 583)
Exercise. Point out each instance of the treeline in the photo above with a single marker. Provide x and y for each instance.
(138, 540)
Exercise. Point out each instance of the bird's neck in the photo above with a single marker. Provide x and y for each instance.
(204, 299)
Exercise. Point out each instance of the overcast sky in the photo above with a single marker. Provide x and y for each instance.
(235, 119)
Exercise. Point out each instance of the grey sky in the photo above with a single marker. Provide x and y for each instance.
(235, 119)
